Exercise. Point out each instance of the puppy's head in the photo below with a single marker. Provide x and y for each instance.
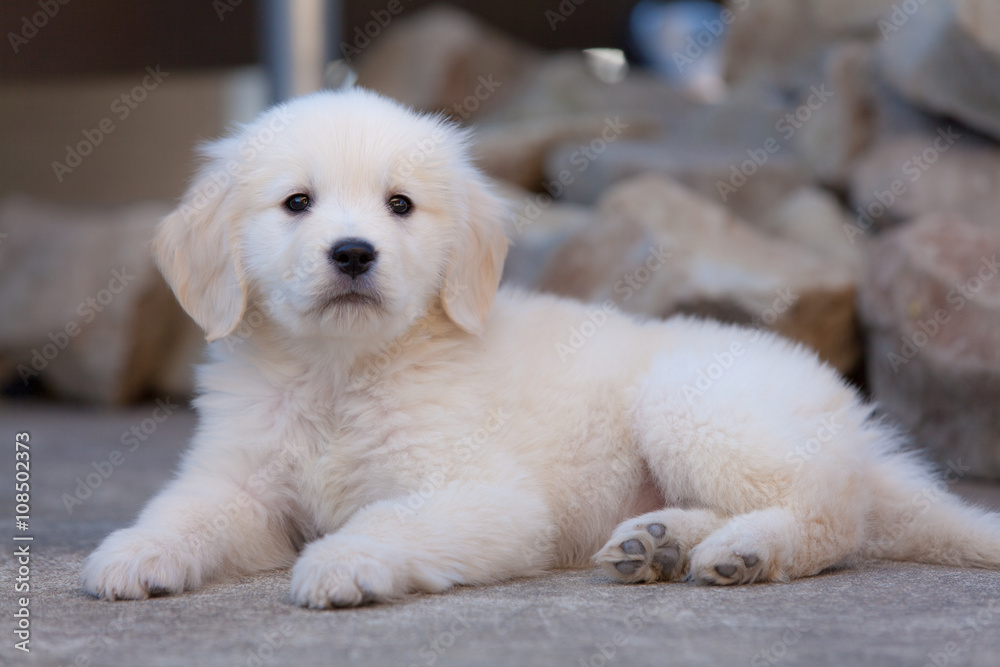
(336, 214)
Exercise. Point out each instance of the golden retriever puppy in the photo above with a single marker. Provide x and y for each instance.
(375, 414)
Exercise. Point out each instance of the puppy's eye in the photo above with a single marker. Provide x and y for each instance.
(297, 203)
(400, 205)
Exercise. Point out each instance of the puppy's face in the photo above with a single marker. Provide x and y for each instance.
(336, 215)
(350, 215)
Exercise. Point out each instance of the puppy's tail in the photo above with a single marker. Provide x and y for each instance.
(915, 517)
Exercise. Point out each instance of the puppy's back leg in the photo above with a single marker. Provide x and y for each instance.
(775, 544)
(916, 517)
(744, 448)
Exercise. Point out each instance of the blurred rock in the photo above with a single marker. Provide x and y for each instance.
(845, 17)
(739, 153)
(537, 227)
(83, 310)
(565, 84)
(841, 129)
(901, 178)
(896, 117)
(814, 219)
(790, 47)
(516, 151)
(563, 101)
(981, 21)
(944, 57)
(441, 59)
(657, 248)
(783, 41)
(728, 176)
(580, 126)
(931, 302)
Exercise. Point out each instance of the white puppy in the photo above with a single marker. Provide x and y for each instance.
(377, 414)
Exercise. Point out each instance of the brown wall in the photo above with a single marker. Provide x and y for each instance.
(99, 37)
(92, 37)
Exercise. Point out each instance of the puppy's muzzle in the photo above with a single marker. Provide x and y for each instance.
(353, 256)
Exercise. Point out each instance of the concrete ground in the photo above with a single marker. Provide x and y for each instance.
(876, 614)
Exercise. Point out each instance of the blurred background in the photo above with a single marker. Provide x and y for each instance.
(828, 169)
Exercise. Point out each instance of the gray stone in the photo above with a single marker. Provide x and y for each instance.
(537, 226)
(728, 176)
(842, 17)
(981, 21)
(516, 151)
(563, 102)
(931, 304)
(944, 57)
(443, 59)
(814, 219)
(83, 310)
(783, 41)
(842, 127)
(716, 265)
(566, 85)
(904, 177)
(792, 46)
(582, 131)
(740, 153)
(897, 117)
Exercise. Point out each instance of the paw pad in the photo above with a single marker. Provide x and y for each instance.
(642, 553)
(727, 571)
(666, 559)
(633, 547)
(735, 569)
(628, 567)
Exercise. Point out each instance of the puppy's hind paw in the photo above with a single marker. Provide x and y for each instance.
(728, 568)
(642, 553)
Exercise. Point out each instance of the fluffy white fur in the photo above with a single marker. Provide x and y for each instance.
(421, 435)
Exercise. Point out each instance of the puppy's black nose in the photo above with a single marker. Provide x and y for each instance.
(353, 256)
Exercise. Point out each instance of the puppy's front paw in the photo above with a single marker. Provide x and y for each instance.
(346, 572)
(132, 564)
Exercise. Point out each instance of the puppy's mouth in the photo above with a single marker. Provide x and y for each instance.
(350, 299)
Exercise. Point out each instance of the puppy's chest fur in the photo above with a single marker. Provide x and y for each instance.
(436, 415)
(351, 456)
(362, 446)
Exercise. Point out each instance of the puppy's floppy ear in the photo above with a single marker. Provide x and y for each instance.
(195, 250)
(477, 258)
